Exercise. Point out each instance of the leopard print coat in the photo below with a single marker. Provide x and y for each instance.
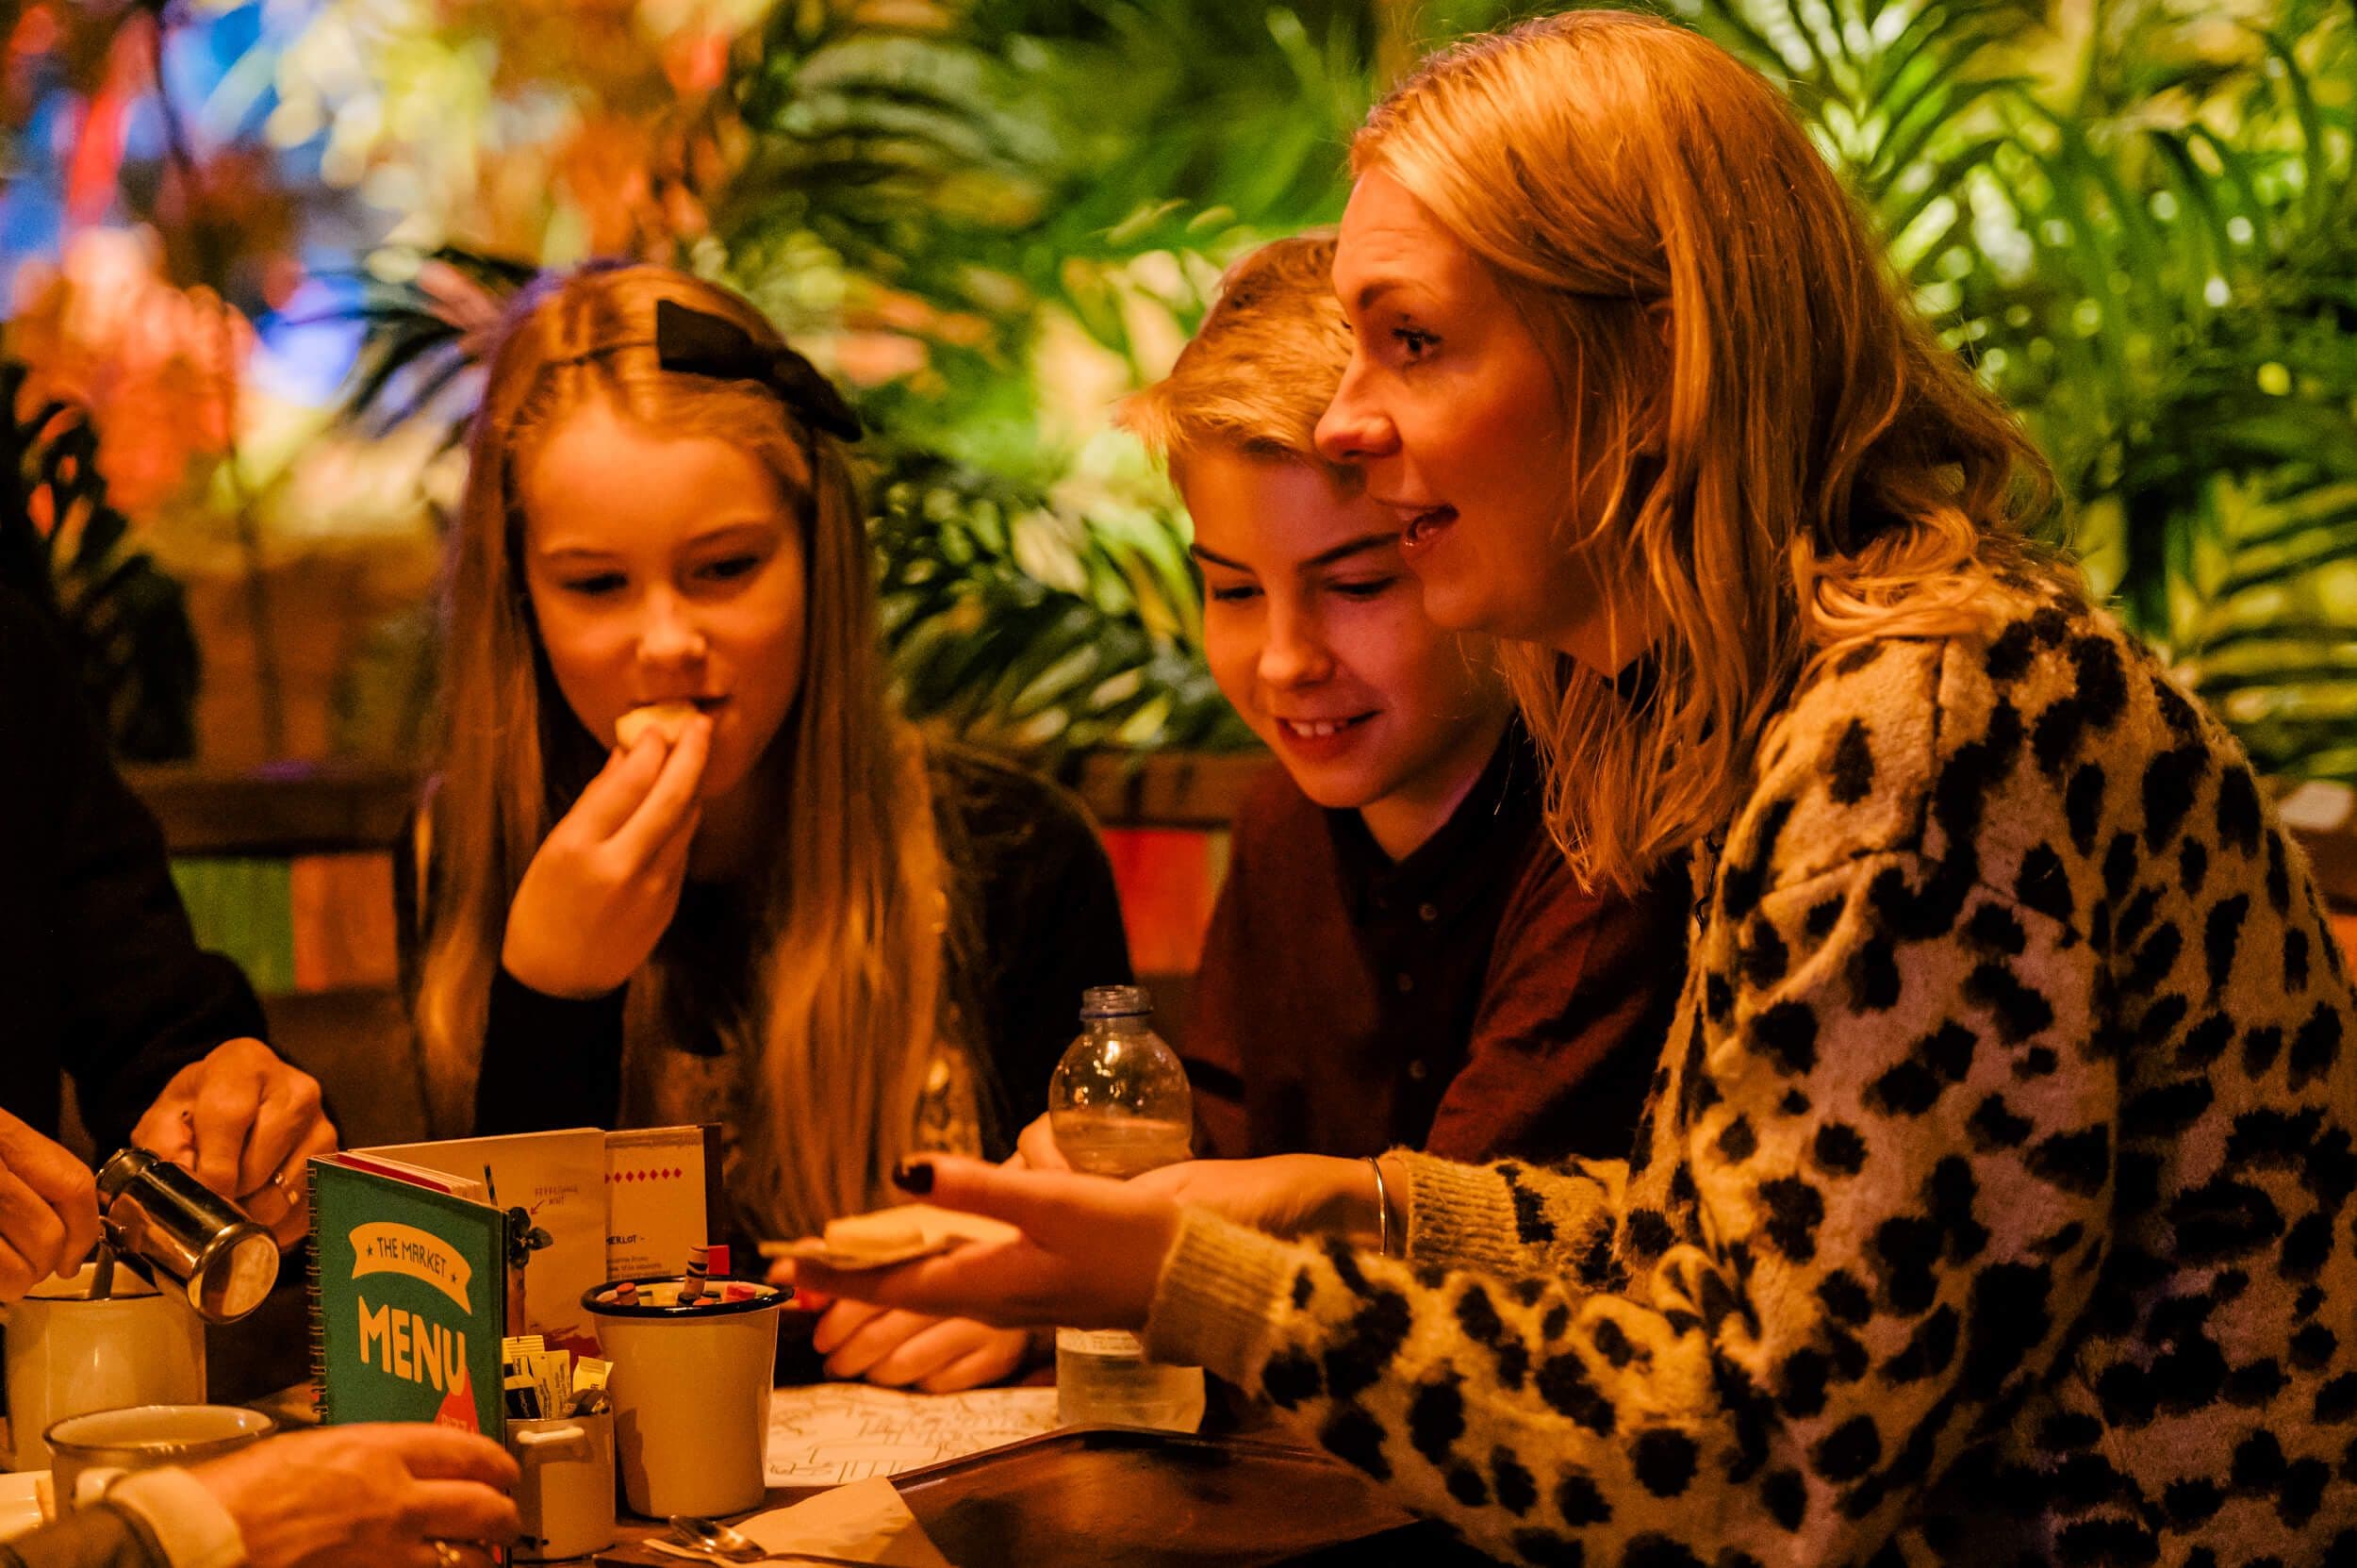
(1990, 1205)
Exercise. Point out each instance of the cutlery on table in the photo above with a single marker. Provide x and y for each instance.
(712, 1538)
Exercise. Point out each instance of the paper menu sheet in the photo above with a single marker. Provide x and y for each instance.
(830, 1433)
(558, 1180)
(662, 1190)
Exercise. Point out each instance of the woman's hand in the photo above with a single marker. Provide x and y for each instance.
(377, 1494)
(900, 1349)
(893, 1348)
(607, 880)
(1090, 1253)
(1035, 1147)
(1285, 1195)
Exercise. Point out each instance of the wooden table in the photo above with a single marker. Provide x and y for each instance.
(1248, 1495)
(1117, 1497)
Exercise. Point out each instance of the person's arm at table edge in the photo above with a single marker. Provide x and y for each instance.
(547, 1062)
(99, 1537)
(162, 1518)
(143, 999)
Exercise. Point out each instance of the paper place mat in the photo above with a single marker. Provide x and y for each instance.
(830, 1433)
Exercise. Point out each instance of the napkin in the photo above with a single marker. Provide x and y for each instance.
(864, 1521)
(24, 1502)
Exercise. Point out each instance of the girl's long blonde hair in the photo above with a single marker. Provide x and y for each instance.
(1794, 463)
(848, 960)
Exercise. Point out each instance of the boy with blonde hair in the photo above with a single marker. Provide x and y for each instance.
(1399, 955)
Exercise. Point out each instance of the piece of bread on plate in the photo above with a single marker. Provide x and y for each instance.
(887, 1236)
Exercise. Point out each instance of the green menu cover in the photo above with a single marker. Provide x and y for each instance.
(408, 1299)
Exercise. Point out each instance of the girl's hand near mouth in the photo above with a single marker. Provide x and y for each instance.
(604, 884)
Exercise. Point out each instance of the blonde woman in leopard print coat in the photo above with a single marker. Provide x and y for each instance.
(1993, 1201)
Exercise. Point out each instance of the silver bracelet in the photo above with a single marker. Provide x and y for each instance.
(1382, 1210)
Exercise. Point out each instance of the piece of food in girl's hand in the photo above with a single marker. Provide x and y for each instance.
(936, 1225)
(885, 1231)
(886, 1236)
(668, 719)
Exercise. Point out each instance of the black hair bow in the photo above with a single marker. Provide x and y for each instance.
(699, 343)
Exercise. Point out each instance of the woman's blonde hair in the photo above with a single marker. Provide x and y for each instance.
(848, 958)
(1793, 464)
(1260, 370)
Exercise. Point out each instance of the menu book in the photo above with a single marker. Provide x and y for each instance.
(553, 1187)
(585, 1205)
(408, 1298)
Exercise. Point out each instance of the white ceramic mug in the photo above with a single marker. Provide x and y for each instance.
(67, 1355)
(89, 1453)
(691, 1388)
(566, 1494)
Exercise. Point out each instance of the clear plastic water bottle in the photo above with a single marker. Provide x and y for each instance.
(1119, 1105)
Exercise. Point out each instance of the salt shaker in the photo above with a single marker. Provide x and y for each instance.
(153, 1210)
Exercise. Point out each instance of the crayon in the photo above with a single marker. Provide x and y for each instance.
(692, 1287)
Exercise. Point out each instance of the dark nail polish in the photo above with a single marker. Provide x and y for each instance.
(914, 1176)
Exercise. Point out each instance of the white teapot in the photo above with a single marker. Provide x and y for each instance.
(68, 1354)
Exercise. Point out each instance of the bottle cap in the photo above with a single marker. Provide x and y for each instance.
(1115, 1001)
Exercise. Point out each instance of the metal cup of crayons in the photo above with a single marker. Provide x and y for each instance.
(692, 1357)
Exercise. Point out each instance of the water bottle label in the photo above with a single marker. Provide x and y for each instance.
(1100, 1342)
